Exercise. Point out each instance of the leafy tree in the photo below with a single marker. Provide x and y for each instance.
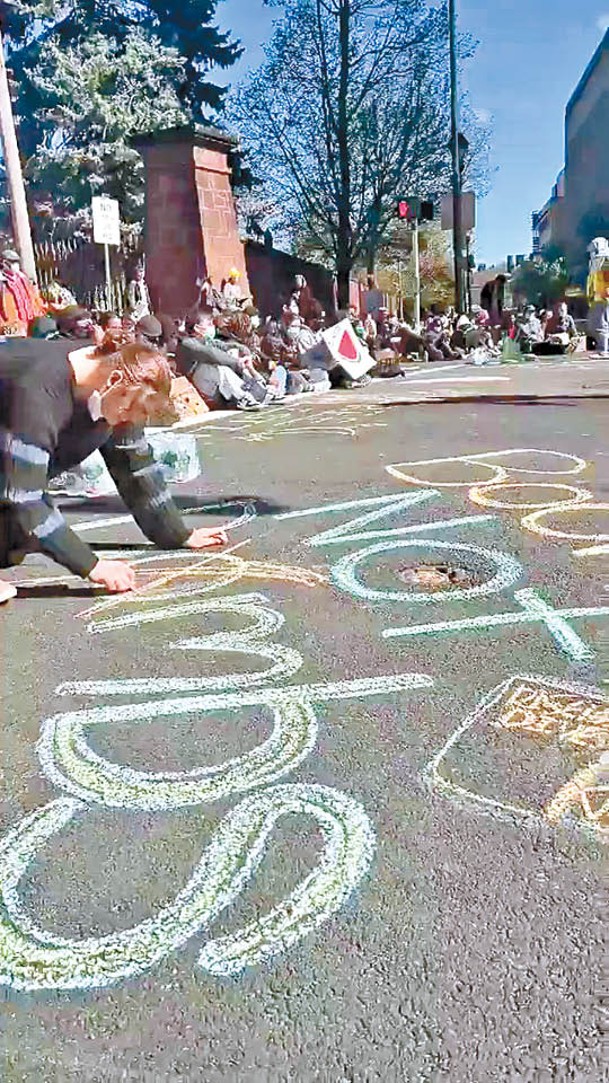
(396, 271)
(348, 112)
(541, 281)
(91, 73)
(99, 94)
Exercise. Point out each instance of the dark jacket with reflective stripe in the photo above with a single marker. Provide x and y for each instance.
(45, 429)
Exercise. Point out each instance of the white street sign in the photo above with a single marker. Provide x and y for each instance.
(106, 220)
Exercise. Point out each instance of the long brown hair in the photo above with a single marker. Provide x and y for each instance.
(142, 366)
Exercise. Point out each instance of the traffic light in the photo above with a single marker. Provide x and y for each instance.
(406, 211)
(412, 210)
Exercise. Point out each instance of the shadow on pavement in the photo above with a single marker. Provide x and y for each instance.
(210, 505)
(60, 590)
(498, 400)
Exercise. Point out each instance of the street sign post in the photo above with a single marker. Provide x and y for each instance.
(468, 211)
(106, 231)
(412, 211)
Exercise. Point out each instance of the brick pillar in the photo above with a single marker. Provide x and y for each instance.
(191, 224)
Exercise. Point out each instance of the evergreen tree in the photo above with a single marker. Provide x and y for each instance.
(89, 74)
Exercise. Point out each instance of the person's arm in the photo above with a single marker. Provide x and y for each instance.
(195, 351)
(140, 482)
(23, 480)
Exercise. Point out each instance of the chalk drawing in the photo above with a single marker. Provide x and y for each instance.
(550, 710)
(535, 610)
(69, 762)
(533, 523)
(217, 570)
(32, 958)
(264, 427)
(485, 459)
(385, 506)
(508, 571)
(586, 794)
(490, 491)
(485, 495)
(248, 514)
(592, 551)
(579, 722)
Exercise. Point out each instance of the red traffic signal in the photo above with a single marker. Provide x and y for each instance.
(405, 210)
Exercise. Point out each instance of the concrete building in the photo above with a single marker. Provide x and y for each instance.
(548, 223)
(578, 209)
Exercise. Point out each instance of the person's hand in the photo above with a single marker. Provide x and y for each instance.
(113, 575)
(206, 538)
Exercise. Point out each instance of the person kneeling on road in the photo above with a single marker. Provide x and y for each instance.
(57, 406)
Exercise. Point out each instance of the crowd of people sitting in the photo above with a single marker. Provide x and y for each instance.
(446, 336)
(232, 357)
(235, 359)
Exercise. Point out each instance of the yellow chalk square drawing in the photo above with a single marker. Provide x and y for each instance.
(571, 718)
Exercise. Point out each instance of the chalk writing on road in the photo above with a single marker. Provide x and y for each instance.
(32, 958)
(496, 491)
(176, 588)
(545, 713)
(497, 570)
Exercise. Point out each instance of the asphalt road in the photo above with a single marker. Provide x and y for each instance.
(391, 887)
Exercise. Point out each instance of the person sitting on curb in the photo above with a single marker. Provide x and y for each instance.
(217, 375)
(55, 410)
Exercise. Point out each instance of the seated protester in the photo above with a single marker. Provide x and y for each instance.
(508, 325)
(277, 384)
(370, 332)
(457, 339)
(59, 297)
(55, 410)
(76, 323)
(150, 331)
(408, 342)
(209, 296)
(109, 321)
(530, 331)
(129, 321)
(231, 292)
(561, 326)
(476, 334)
(216, 372)
(44, 327)
(436, 340)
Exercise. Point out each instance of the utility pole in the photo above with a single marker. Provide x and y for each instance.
(14, 175)
(458, 239)
(417, 275)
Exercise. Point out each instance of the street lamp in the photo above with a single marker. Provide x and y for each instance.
(459, 146)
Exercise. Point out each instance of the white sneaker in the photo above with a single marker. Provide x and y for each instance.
(7, 591)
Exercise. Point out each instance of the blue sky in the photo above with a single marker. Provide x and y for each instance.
(530, 59)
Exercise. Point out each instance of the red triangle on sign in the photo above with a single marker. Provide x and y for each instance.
(347, 347)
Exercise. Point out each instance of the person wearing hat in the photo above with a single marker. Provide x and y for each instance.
(20, 301)
(149, 330)
(231, 290)
(76, 323)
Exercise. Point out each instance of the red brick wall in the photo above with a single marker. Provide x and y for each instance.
(221, 242)
(191, 223)
(173, 236)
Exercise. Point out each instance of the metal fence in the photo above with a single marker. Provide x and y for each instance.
(78, 264)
